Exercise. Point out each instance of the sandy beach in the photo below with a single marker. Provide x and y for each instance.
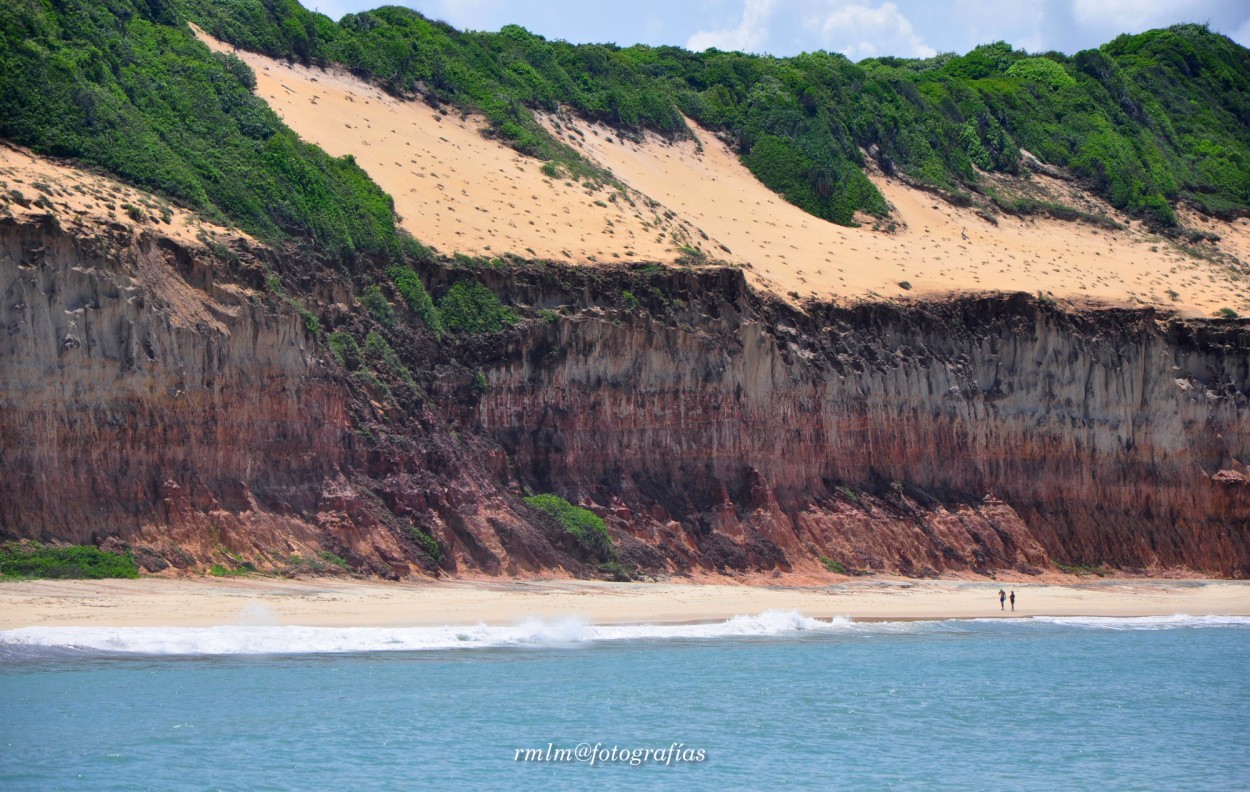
(343, 603)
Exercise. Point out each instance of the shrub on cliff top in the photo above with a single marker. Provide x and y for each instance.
(586, 526)
(33, 560)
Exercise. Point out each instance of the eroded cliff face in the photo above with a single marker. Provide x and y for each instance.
(156, 395)
(141, 396)
(970, 434)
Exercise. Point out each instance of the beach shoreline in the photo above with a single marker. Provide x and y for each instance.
(334, 602)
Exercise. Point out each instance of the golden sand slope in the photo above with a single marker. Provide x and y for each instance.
(33, 185)
(454, 189)
(90, 206)
(167, 602)
(462, 192)
(939, 248)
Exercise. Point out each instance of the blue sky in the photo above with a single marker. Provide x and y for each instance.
(857, 28)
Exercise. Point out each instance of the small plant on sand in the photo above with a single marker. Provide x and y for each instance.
(217, 570)
(20, 560)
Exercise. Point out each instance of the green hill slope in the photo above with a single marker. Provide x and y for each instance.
(1145, 120)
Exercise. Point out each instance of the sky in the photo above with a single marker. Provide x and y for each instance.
(857, 28)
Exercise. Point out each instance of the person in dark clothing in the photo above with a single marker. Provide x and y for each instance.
(1013, 600)
(1002, 597)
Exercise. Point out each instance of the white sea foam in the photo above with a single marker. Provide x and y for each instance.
(259, 639)
(1178, 620)
(254, 639)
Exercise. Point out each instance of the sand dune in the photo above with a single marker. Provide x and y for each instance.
(79, 199)
(460, 191)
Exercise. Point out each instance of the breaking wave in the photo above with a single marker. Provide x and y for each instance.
(280, 640)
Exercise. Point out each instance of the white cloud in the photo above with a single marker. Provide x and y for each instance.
(1124, 15)
(1112, 17)
(1242, 34)
(858, 31)
(748, 36)
(1019, 23)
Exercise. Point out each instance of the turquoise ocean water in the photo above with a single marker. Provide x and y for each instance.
(772, 701)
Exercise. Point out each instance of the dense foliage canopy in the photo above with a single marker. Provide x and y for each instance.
(124, 85)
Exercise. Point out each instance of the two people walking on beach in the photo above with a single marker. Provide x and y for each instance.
(1002, 597)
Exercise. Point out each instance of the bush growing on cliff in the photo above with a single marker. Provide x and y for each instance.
(345, 349)
(376, 303)
(311, 323)
(428, 544)
(469, 307)
(418, 300)
(586, 526)
(33, 560)
(833, 565)
(377, 350)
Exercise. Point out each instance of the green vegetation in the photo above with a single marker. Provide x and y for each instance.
(469, 307)
(331, 558)
(376, 303)
(584, 525)
(833, 565)
(324, 562)
(428, 544)
(1082, 569)
(1146, 119)
(380, 353)
(412, 290)
(345, 349)
(1032, 206)
(1226, 313)
(618, 571)
(125, 86)
(311, 323)
(218, 570)
(33, 560)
